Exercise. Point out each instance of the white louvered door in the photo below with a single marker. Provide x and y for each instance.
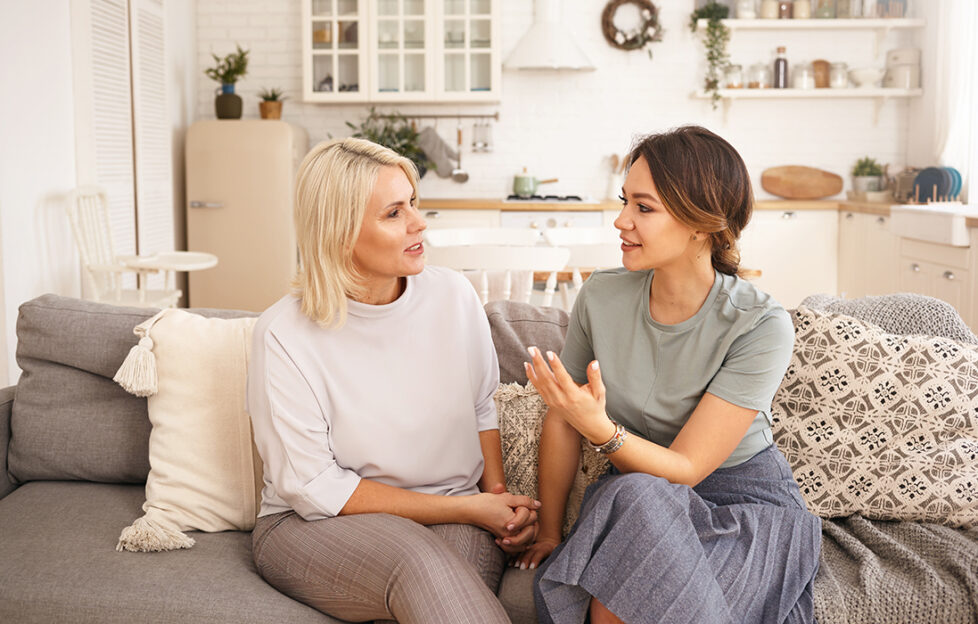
(154, 182)
(122, 130)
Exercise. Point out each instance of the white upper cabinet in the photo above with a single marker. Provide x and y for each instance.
(401, 50)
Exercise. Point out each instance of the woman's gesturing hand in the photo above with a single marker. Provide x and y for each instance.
(583, 407)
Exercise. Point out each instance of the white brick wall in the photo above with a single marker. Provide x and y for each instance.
(567, 124)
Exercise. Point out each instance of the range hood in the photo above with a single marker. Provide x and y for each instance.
(547, 44)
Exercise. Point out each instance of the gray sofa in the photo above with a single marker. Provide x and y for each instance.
(74, 448)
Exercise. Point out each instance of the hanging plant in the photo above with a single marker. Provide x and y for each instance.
(715, 41)
(395, 131)
(649, 31)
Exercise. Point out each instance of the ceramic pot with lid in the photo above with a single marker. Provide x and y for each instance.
(526, 185)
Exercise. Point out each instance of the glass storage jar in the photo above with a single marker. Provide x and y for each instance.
(803, 76)
(769, 9)
(759, 76)
(733, 77)
(825, 9)
(802, 9)
(746, 9)
(839, 76)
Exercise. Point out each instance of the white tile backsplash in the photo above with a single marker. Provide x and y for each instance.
(566, 124)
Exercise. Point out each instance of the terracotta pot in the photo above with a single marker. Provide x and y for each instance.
(270, 110)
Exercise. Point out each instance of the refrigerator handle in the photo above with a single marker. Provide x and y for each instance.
(200, 204)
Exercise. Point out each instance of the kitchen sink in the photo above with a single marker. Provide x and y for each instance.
(935, 223)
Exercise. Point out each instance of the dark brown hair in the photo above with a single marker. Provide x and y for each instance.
(702, 181)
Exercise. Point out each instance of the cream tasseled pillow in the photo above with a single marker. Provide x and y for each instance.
(521, 411)
(204, 472)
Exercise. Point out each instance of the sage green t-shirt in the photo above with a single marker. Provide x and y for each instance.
(736, 347)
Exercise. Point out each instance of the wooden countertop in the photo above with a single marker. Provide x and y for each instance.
(873, 208)
(610, 204)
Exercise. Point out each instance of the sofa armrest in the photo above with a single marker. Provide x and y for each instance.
(6, 404)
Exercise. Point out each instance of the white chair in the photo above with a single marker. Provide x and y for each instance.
(512, 253)
(104, 270)
(590, 248)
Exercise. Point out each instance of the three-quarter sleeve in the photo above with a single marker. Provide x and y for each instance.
(292, 434)
(484, 364)
(755, 364)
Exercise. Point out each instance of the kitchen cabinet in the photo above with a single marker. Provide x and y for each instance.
(939, 271)
(795, 250)
(401, 50)
(460, 218)
(867, 255)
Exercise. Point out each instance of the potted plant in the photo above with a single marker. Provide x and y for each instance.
(715, 41)
(396, 132)
(867, 176)
(270, 106)
(227, 71)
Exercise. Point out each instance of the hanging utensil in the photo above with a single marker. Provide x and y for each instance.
(459, 174)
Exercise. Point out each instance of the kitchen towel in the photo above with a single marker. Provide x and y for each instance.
(438, 152)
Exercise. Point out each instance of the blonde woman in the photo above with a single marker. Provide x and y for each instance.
(371, 393)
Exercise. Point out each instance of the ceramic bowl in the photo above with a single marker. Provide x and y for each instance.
(866, 77)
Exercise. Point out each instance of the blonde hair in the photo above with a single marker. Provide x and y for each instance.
(333, 186)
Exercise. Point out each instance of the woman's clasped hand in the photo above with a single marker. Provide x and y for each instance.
(511, 518)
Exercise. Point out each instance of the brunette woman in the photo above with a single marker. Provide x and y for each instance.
(669, 367)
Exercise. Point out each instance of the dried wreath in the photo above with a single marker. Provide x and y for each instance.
(633, 39)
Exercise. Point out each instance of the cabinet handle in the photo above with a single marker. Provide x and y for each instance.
(948, 275)
(200, 204)
(432, 214)
(788, 214)
(850, 216)
(881, 220)
(915, 267)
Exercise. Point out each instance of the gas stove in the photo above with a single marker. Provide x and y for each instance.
(548, 198)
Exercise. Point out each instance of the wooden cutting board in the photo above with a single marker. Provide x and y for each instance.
(796, 182)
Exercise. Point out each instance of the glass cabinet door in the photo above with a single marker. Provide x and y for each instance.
(335, 52)
(469, 50)
(401, 39)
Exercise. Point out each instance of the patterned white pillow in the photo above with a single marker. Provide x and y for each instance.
(878, 424)
(521, 411)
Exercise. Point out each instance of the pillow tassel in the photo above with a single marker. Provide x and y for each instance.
(144, 535)
(137, 375)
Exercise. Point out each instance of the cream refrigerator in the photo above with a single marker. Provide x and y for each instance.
(240, 176)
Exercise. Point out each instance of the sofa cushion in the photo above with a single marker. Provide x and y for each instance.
(521, 410)
(205, 474)
(59, 565)
(899, 313)
(881, 425)
(516, 326)
(70, 420)
(6, 403)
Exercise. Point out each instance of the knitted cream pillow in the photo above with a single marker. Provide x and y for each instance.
(880, 425)
(204, 472)
(521, 411)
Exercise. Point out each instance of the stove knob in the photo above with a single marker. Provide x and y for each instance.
(534, 225)
(551, 222)
(569, 223)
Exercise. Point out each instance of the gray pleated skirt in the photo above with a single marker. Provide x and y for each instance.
(739, 548)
